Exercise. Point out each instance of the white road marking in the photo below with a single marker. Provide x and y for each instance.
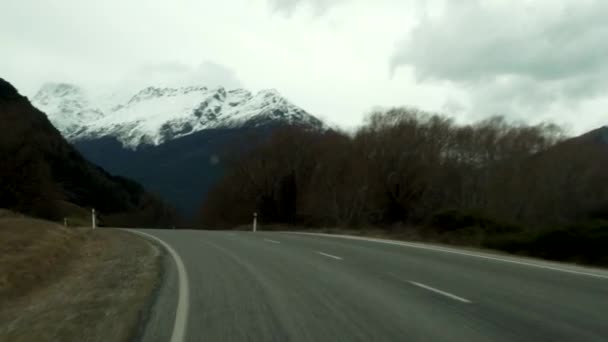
(329, 255)
(480, 255)
(272, 241)
(181, 313)
(432, 289)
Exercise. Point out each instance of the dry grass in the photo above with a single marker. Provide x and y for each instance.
(5, 213)
(33, 253)
(76, 216)
(73, 285)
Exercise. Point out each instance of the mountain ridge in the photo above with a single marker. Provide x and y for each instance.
(154, 115)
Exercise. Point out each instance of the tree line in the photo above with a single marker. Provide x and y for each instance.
(406, 170)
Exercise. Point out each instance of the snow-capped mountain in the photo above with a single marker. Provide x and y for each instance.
(171, 140)
(66, 106)
(155, 115)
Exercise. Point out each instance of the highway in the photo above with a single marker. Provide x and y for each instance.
(243, 286)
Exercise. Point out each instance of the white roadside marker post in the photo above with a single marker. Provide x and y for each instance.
(93, 223)
(255, 222)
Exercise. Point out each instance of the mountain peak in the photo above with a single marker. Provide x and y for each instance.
(59, 89)
(67, 106)
(269, 92)
(56, 92)
(154, 115)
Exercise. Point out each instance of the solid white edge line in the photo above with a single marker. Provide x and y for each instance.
(432, 289)
(460, 252)
(181, 312)
(272, 241)
(329, 255)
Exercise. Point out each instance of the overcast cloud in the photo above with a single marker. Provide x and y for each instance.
(175, 74)
(541, 60)
(319, 7)
(530, 60)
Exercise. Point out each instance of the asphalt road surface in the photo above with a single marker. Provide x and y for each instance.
(243, 286)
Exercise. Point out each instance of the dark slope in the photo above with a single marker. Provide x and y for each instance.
(579, 166)
(39, 170)
(597, 137)
(182, 170)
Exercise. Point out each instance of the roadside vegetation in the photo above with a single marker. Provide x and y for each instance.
(493, 184)
(59, 284)
(29, 249)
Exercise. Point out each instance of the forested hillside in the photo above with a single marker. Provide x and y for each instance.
(497, 184)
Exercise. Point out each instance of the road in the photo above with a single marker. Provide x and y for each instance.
(263, 286)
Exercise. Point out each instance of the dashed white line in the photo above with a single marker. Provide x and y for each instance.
(329, 255)
(513, 260)
(272, 241)
(432, 289)
(181, 312)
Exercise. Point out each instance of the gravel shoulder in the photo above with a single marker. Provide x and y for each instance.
(99, 290)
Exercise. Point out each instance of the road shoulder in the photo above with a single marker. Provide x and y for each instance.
(103, 293)
(161, 309)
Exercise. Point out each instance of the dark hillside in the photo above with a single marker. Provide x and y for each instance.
(597, 137)
(181, 170)
(39, 169)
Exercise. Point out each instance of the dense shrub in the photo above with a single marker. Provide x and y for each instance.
(580, 242)
(584, 243)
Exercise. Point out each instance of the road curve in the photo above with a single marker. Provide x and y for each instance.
(265, 286)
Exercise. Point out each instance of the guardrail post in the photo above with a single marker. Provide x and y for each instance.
(255, 222)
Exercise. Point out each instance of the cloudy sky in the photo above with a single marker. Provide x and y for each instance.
(530, 60)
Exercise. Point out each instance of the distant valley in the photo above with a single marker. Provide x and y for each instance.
(174, 141)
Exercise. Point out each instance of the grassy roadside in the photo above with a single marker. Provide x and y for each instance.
(30, 249)
(60, 284)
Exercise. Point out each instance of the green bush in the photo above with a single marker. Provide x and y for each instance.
(450, 220)
(456, 220)
(512, 243)
(585, 242)
(599, 214)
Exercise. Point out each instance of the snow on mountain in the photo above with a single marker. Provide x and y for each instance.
(69, 106)
(155, 115)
